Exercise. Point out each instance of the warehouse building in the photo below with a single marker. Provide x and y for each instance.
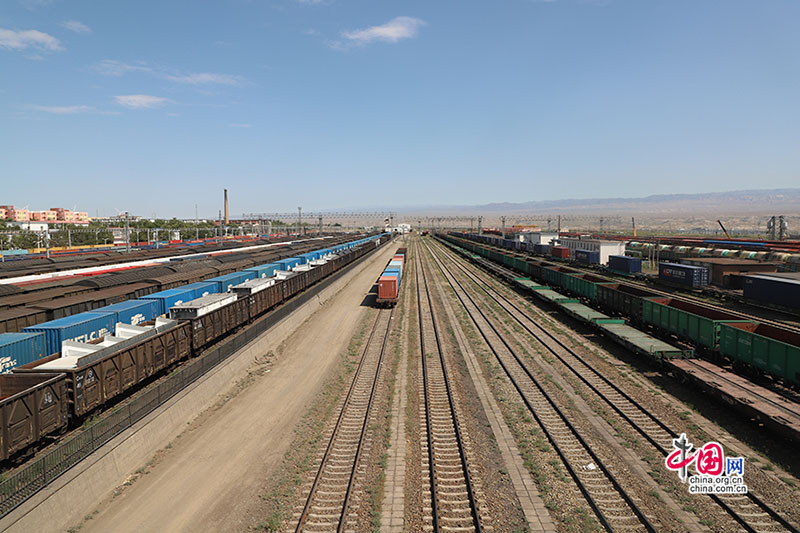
(605, 248)
(536, 237)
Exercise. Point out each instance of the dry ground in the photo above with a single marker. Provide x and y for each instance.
(209, 478)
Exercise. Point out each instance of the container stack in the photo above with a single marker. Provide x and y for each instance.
(389, 281)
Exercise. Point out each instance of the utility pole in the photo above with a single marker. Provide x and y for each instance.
(127, 234)
(47, 240)
(299, 220)
(219, 225)
(503, 222)
(559, 225)
(320, 225)
(69, 238)
(480, 225)
(196, 224)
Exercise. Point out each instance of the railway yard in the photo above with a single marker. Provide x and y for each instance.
(381, 382)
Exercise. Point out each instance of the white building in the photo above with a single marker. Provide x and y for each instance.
(606, 248)
(536, 237)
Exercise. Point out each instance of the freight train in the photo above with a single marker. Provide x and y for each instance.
(46, 396)
(752, 346)
(389, 281)
(30, 304)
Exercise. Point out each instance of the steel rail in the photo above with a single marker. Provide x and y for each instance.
(673, 434)
(551, 438)
(451, 404)
(331, 442)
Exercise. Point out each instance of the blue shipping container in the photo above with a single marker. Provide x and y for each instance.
(168, 298)
(132, 312)
(20, 349)
(780, 291)
(83, 327)
(624, 263)
(288, 264)
(587, 256)
(686, 275)
(202, 288)
(264, 271)
(224, 283)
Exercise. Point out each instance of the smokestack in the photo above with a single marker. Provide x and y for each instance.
(227, 220)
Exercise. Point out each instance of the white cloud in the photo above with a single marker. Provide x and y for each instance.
(140, 101)
(20, 40)
(240, 125)
(63, 110)
(112, 67)
(77, 27)
(395, 30)
(203, 78)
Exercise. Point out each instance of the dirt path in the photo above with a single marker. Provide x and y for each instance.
(210, 477)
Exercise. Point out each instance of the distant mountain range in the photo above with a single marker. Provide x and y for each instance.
(772, 201)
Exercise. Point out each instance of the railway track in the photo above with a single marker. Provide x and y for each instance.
(785, 324)
(749, 511)
(789, 325)
(451, 504)
(614, 508)
(329, 500)
(774, 403)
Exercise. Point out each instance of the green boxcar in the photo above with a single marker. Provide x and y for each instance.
(640, 342)
(689, 321)
(533, 269)
(563, 278)
(550, 276)
(622, 299)
(584, 285)
(520, 264)
(774, 350)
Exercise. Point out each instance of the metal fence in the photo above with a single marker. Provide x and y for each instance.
(35, 476)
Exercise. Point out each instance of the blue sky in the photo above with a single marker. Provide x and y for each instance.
(155, 106)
